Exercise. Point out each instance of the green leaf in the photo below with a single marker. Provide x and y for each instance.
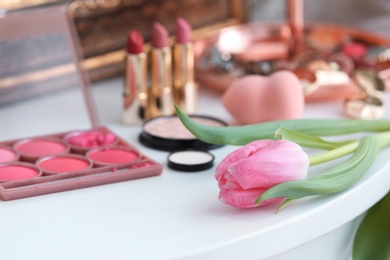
(241, 135)
(306, 140)
(334, 180)
(284, 204)
(372, 239)
(347, 165)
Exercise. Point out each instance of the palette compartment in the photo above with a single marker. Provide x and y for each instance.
(30, 149)
(8, 154)
(140, 166)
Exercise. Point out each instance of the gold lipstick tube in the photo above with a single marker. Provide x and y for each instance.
(161, 99)
(296, 25)
(135, 96)
(185, 88)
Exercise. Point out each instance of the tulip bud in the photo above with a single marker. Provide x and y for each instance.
(249, 171)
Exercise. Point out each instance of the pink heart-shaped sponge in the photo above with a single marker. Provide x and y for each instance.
(253, 99)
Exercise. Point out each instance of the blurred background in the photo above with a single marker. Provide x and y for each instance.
(102, 26)
(373, 15)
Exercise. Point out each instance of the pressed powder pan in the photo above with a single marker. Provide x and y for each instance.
(167, 133)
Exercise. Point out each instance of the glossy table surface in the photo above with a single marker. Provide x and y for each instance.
(172, 216)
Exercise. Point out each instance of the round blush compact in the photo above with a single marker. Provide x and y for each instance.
(112, 155)
(7, 154)
(31, 149)
(82, 141)
(18, 171)
(63, 163)
(190, 160)
(167, 133)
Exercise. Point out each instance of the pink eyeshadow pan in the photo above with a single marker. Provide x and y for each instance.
(40, 147)
(112, 156)
(62, 164)
(7, 155)
(16, 172)
(91, 139)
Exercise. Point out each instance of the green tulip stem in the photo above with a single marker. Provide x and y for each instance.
(333, 154)
(383, 140)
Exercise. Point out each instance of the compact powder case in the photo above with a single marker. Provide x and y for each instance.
(167, 133)
(190, 160)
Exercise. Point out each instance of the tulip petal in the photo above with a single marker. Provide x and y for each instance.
(251, 170)
(241, 153)
(278, 162)
(244, 198)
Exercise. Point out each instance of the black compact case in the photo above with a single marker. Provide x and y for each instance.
(167, 133)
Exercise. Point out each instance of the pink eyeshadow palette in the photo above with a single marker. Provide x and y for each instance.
(167, 133)
(47, 164)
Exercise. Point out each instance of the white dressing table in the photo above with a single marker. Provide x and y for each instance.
(176, 215)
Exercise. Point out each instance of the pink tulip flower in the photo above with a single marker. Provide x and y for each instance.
(249, 171)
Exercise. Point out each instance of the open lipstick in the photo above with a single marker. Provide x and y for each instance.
(161, 62)
(185, 88)
(135, 101)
